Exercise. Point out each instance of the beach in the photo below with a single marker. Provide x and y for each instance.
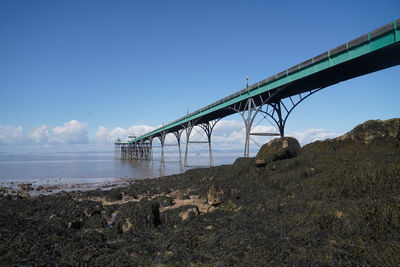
(332, 202)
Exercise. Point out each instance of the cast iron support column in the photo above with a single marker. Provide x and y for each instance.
(249, 107)
(123, 151)
(148, 150)
(283, 107)
(188, 130)
(117, 151)
(178, 135)
(162, 141)
(280, 123)
(208, 128)
(151, 147)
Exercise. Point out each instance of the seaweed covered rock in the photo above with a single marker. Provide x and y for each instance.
(336, 203)
(137, 215)
(277, 149)
(190, 212)
(174, 217)
(114, 195)
(375, 130)
(214, 196)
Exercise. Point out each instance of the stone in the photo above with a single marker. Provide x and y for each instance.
(278, 149)
(213, 197)
(76, 225)
(374, 130)
(127, 225)
(179, 195)
(186, 214)
(25, 195)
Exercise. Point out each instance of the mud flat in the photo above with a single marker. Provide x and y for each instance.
(335, 202)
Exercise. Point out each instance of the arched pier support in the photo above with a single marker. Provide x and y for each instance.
(278, 111)
(208, 128)
(248, 114)
(273, 105)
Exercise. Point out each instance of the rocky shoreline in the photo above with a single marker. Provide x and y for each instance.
(335, 202)
(25, 190)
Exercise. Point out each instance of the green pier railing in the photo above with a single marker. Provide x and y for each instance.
(370, 52)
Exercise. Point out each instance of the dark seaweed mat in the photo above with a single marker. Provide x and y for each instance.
(337, 203)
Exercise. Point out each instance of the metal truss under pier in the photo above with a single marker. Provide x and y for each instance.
(129, 151)
(276, 96)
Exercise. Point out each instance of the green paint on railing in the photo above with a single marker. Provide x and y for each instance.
(364, 48)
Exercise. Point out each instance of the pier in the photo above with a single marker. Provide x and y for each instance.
(276, 96)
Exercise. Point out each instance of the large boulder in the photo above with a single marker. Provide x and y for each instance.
(277, 149)
(374, 131)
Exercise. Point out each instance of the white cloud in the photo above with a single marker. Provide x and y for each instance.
(312, 135)
(228, 126)
(73, 132)
(107, 136)
(39, 135)
(139, 130)
(232, 134)
(11, 135)
(227, 135)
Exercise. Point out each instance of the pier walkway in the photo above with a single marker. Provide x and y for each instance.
(371, 52)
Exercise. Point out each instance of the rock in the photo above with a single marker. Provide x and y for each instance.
(190, 212)
(178, 195)
(26, 187)
(127, 226)
(235, 193)
(374, 130)
(114, 195)
(211, 209)
(139, 214)
(166, 201)
(243, 164)
(278, 149)
(25, 195)
(76, 225)
(213, 196)
(91, 209)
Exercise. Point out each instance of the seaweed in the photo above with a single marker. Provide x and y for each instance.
(335, 203)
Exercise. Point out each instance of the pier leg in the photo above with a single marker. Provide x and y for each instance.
(248, 119)
(280, 110)
(117, 151)
(162, 141)
(208, 128)
(131, 149)
(178, 135)
(162, 162)
(188, 130)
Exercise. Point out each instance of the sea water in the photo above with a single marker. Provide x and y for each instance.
(94, 167)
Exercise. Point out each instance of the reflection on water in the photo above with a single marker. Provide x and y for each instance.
(93, 167)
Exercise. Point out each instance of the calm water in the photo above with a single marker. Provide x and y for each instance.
(90, 167)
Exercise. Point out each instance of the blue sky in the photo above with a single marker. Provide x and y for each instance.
(76, 74)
